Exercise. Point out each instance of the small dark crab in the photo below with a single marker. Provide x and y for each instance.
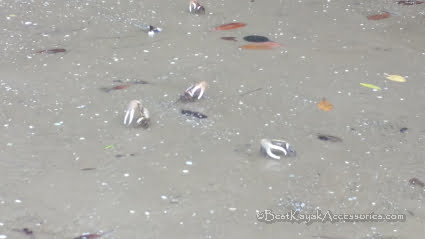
(195, 7)
(137, 112)
(276, 146)
(194, 92)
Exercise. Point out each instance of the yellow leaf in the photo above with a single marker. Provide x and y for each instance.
(396, 78)
(370, 86)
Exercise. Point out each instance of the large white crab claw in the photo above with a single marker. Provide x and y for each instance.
(138, 113)
(195, 7)
(275, 146)
(194, 92)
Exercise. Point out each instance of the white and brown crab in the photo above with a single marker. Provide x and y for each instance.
(137, 114)
(194, 92)
(195, 7)
(276, 147)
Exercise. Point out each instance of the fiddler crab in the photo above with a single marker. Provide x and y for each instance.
(153, 30)
(276, 146)
(194, 92)
(149, 28)
(137, 114)
(195, 7)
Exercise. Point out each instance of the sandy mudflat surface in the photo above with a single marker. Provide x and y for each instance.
(191, 178)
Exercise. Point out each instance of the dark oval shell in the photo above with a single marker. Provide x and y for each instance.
(416, 181)
(194, 114)
(255, 38)
(330, 138)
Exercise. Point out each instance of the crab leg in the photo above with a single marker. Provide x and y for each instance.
(126, 116)
(131, 114)
(201, 93)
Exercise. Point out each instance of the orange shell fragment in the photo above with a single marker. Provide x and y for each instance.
(261, 46)
(325, 105)
(229, 26)
(379, 16)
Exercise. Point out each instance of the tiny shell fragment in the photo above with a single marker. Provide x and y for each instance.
(379, 16)
(330, 138)
(370, 86)
(416, 181)
(256, 38)
(194, 114)
(409, 2)
(52, 51)
(396, 78)
(229, 26)
(325, 105)
(261, 46)
(229, 38)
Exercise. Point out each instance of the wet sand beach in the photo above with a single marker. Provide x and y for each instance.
(68, 164)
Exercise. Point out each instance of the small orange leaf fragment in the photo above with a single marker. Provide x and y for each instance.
(261, 45)
(325, 105)
(229, 26)
(379, 16)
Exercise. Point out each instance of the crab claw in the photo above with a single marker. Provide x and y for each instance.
(284, 145)
(270, 147)
(131, 109)
(195, 7)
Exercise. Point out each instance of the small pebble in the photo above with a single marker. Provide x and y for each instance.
(3, 236)
(329, 138)
(59, 123)
(416, 181)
